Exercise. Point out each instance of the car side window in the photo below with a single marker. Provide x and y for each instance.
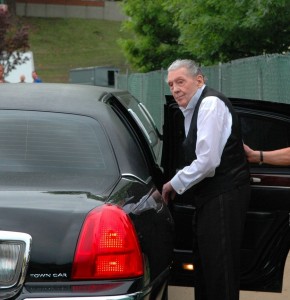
(266, 132)
(145, 121)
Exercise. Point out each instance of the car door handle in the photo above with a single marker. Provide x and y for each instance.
(256, 180)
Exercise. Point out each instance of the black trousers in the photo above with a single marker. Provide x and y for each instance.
(218, 229)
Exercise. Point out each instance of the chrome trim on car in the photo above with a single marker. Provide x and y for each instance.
(122, 297)
(127, 175)
(149, 117)
(136, 118)
(24, 241)
(267, 187)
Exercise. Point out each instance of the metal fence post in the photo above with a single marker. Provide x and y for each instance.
(127, 80)
(220, 77)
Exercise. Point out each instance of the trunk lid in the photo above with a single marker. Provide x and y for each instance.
(54, 221)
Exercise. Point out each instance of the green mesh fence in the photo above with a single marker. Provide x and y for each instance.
(265, 77)
(148, 88)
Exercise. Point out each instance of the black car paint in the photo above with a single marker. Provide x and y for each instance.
(54, 217)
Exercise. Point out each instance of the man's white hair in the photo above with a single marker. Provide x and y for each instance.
(191, 66)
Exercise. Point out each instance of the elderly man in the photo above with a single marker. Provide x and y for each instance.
(214, 176)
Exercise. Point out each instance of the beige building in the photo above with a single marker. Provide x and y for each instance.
(87, 9)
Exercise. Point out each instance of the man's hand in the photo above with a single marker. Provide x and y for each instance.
(168, 193)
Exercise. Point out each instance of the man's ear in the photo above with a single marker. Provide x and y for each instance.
(200, 80)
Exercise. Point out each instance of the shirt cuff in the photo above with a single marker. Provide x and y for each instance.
(177, 185)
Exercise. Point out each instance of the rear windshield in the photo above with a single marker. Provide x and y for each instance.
(41, 150)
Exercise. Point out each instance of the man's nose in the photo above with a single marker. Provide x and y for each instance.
(174, 88)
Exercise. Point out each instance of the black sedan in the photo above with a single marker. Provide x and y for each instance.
(80, 212)
(81, 216)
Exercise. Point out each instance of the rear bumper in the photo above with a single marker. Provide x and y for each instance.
(156, 289)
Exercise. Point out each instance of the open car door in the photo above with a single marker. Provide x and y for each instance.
(265, 126)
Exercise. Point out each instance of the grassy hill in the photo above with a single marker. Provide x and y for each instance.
(59, 45)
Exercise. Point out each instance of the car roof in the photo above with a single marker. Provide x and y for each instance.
(55, 97)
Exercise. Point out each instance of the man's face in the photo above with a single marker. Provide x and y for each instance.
(183, 86)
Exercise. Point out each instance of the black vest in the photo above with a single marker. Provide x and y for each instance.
(233, 169)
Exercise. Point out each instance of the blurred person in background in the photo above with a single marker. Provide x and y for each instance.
(36, 78)
(22, 79)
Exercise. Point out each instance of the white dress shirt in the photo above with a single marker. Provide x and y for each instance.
(214, 124)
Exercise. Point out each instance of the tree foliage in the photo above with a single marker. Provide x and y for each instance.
(13, 41)
(208, 30)
(153, 41)
(230, 29)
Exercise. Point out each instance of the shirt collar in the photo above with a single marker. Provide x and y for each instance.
(192, 103)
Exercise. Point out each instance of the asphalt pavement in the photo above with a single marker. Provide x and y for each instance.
(181, 293)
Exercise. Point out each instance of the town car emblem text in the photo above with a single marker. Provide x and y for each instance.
(49, 275)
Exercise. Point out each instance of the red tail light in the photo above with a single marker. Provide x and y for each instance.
(108, 246)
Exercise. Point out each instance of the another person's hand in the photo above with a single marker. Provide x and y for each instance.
(168, 193)
(252, 155)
